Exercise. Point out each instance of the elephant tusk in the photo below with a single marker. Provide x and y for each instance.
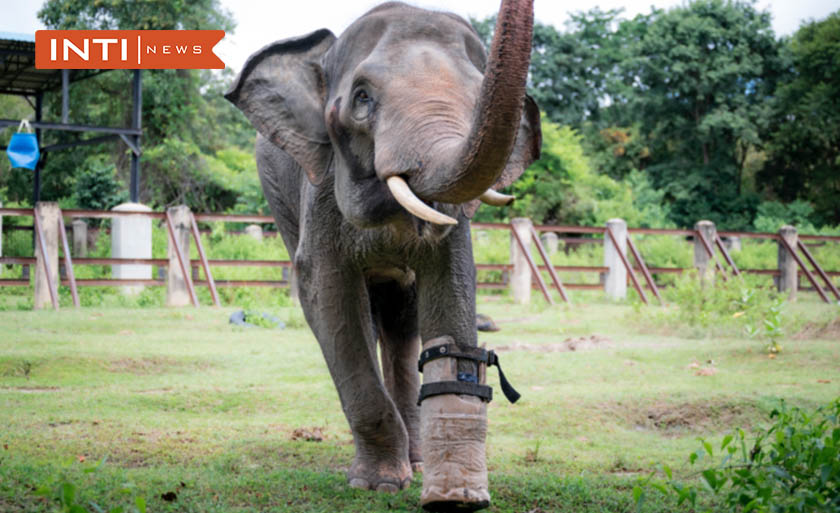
(497, 199)
(405, 197)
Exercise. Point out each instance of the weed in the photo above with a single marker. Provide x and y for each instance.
(533, 455)
(66, 494)
(792, 466)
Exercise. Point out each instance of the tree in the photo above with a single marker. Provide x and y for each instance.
(804, 135)
(702, 75)
(571, 73)
(186, 122)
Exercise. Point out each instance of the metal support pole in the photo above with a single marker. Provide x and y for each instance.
(39, 108)
(68, 261)
(645, 272)
(534, 269)
(633, 279)
(819, 269)
(183, 263)
(551, 272)
(65, 96)
(726, 256)
(790, 249)
(204, 263)
(136, 123)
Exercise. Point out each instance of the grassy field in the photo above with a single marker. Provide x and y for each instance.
(193, 414)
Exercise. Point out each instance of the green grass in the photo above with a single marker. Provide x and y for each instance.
(180, 401)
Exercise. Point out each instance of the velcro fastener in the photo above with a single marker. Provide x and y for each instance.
(483, 392)
(452, 351)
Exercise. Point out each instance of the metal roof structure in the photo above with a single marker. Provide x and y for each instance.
(19, 76)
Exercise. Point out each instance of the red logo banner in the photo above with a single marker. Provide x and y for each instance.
(127, 49)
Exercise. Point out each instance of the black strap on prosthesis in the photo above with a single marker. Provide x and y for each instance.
(467, 384)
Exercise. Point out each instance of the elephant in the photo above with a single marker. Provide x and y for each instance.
(374, 150)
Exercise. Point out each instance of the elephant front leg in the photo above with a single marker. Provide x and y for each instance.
(335, 302)
(453, 421)
(395, 313)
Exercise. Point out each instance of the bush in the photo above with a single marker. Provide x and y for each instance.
(792, 466)
(97, 187)
(721, 308)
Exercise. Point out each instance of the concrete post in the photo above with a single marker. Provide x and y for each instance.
(254, 231)
(704, 264)
(520, 280)
(131, 237)
(789, 273)
(551, 242)
(177, 293)
(733, 243)
(80, 241)
(615, 282)
(47, 212)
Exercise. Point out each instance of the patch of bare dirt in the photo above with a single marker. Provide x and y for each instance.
(155, 391)
(820, 330)
(309, 434)
(681, 419)
(570, 344)
(30, 390)
(152, 365)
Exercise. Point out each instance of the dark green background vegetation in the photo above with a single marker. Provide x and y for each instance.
(696, 112)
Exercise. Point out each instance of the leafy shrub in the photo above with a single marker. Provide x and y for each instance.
(97, 187)
(722, 308)
(793, 466)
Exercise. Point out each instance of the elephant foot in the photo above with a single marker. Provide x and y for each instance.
(417, 467)
(453, 430)
(379, 477)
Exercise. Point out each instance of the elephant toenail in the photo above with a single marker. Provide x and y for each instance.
(417, 467)
(387, 488)
(361, 484)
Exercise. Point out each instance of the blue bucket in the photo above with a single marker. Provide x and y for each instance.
(23, 149)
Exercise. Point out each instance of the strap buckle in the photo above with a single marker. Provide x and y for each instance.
(464, 386)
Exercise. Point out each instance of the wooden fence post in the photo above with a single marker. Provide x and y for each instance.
(177, 289)
(520, 280)
(788, 280)
(46, 285)
(703, 262)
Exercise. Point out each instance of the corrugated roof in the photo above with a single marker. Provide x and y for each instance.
(17, 67)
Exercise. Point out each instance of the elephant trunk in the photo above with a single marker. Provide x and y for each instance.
(498, 111)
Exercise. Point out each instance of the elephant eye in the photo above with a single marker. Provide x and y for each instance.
(362, 103)
(362, 96)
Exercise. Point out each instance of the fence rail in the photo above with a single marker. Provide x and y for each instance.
(618, 271)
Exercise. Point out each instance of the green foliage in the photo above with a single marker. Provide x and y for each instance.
(792, 467)
(67, 496)
(186, 121)
(717, 308)
(700, 75)
(804, 128)
(97, 187)
(772, 215)
(562, 188)
(772, 328)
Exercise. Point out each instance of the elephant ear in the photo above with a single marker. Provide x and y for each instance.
(526, 150)
(282, 90)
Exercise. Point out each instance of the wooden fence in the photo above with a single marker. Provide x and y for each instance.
(521, 274)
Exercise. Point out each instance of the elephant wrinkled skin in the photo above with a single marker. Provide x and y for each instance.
(403, 92)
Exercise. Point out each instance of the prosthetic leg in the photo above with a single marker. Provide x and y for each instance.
(453, 424)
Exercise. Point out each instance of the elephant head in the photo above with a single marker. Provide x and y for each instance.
(405, 110)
